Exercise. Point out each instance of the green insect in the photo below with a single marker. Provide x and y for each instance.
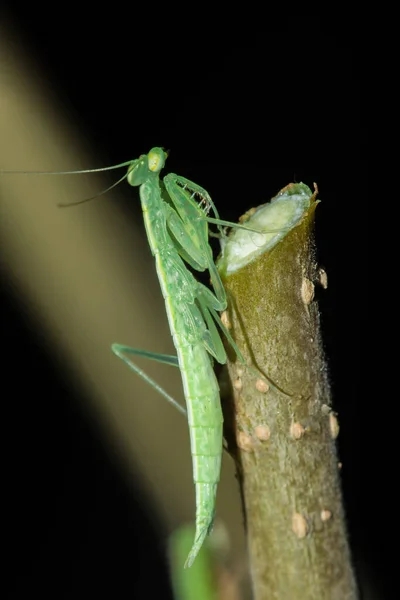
(176, 217)
(177, 231)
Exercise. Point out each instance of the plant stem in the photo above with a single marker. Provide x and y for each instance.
(280, 427)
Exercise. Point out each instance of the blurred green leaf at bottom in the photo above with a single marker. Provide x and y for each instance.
(197, 582)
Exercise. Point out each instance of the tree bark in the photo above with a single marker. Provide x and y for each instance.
(280, 428)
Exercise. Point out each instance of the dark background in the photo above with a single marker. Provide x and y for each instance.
(243, 115)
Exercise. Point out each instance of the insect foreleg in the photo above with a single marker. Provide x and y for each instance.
(209, 305)
(175, 184)
(196, 189)
(191, 241)
(185, 245)
(240, 356)
(167, 359)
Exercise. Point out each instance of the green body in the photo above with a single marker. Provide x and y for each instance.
(177, 230)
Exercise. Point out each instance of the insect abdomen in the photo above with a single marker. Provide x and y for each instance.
(205, 426)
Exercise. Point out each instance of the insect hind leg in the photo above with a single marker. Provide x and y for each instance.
(240, 356)
(121, 351)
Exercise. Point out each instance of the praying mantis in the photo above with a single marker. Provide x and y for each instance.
(177, 231)
(176, 218)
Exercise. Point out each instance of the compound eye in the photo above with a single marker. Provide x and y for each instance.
(156, 159)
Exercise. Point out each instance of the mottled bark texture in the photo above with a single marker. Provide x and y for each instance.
(280, 429)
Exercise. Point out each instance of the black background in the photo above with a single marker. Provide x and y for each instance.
(243, 113)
